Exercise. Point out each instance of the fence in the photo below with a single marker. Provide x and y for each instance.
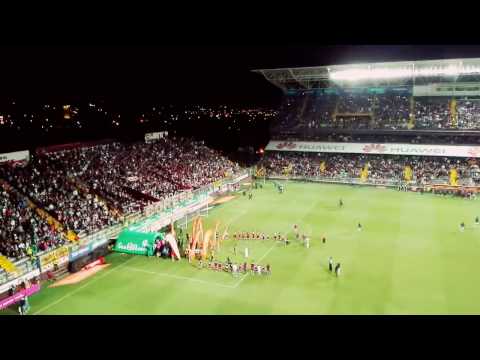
(368, 182)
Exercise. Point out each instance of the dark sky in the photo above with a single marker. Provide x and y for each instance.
(193, 73)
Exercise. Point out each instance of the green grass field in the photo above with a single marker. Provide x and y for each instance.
(410, 258)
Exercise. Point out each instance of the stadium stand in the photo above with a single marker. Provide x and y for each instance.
(402, 103)
(86, 189)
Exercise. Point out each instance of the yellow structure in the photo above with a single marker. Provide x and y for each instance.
(407, 173)
(364, 173)
(453, 113)
(323, 167)
(7, 265)
(453, 177)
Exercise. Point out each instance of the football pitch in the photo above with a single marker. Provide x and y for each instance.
(410, 258)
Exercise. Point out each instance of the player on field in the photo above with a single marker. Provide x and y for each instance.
(259, 269)
(340, 203)
(324, 239)
(337, 269)
(234, 269)
(295, 229)
(477, 221)
(462, 227)
(330, 264)
(359, 227)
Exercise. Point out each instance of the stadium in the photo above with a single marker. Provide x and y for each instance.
(363, 200)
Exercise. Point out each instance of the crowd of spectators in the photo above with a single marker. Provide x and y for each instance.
(47, 182)
(82, 187)
(389, 111)
(432, 113)
(380, 167)
(22, 231)
(351, 103)
(79, 187)
(392, 112)
(468, 114)
(157, 170)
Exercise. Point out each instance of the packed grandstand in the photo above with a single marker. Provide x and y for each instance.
(90, 187)
(387, 123)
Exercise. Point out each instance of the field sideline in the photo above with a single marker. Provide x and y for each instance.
(410, 258)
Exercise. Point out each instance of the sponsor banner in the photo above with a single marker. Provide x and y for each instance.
(58, 256)
(19, 296)
(18, 280)
(17, 156)
(369, 148)
(78, 252)
(149, 137)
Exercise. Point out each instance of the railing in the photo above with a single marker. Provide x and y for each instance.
(370, 181)
(339, 180)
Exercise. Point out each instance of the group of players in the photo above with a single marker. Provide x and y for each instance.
(254, 235)
(250, 235)
(234, 268)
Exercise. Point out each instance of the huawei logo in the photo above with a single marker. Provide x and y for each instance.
(474, 151)
(379, 148)
(286, 145)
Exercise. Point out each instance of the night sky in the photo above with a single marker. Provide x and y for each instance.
(200, 74)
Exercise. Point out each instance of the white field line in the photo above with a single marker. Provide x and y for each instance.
(263, 257)
(181, 277)
(80, 288)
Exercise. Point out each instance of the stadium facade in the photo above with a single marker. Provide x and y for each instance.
(378, 98)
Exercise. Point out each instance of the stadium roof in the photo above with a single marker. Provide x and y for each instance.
(309, 77)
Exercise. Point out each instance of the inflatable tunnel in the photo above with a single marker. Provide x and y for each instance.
(143, 243)
(137, 243)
